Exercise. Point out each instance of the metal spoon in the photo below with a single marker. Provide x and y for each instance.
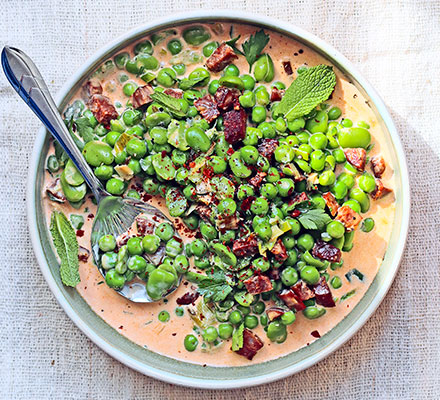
(115, 215)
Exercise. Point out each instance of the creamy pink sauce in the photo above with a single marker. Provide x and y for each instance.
(139, 322)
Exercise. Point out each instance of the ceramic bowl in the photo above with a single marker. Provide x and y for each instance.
(182, 373)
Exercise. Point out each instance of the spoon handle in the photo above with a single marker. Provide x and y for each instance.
(25, 78)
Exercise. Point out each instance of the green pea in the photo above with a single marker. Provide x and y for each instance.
(200, 73)
(327, 178)
(249, 154)
(235, 317)
(218, 164)
(340, 190)
(280, 125)
(262, 96)
(195, 35)
(114, 280)
(173, 248)
(318, 141)
(115, 186)
(190, 342)
(202, 263)
(108, 260)
(107, 243)
(339, 156)
(179, 311)
(288, 318)
(166, 77)
(260, 206)
(354, 205)
(305, 242)
(97, 153)
(258, 114)
(137, 264)
(289, 276)
(197, 139)
(239, 169)
(159, 134)
(264, 320)
(296, 124)
(208, 231)
(269, 191)
(148, 62)
(347, 179)
(227, 207)
(129, 88)
(334, 113)
(264, 231)
(150, 244)
(286, 187)
(313, 312)
(284, 154)
(225, 331)
(361, 197)
(263, 69)
(354, 137)
(163, 166)
(273, 175)
(121, 59)
(136, 148)
(248, 82)
(231, 70)
(250, 321)
(336, 282)
(367, 225)
(143, 47)
(276, 332)
(160, 281)
(164, 231)
(227, 236)
(174, 46)
(367, 182)
(150, 186)
(247, 99)
(209, 48)
(318, 123)
(52, 164)
(179, 68)
(245, 191)
(157, 118)
(268, 130)
(335, 229)
(347, 123)
(134, 246)
(232, 82)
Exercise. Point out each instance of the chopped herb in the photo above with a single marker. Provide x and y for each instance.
(66, 245)
(237, 338)
(214, 287)
(187, 83)
(348, 294)
(314, 219)
(169, 103)
(354, 272)
(100, 282)
(310, 88)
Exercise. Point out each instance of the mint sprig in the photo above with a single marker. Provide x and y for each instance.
(314, 219)
(309, 89)
(66, 245)
(169, 103)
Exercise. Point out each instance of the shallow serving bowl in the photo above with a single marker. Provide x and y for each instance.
(178, 372)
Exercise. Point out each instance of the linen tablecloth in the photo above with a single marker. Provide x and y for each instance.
(396, 355)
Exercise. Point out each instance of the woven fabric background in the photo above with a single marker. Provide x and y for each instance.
(396, 355)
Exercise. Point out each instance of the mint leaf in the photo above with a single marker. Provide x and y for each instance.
(66, 245)
(309, 89)
(84, 129)
(314, 219)
(237, 338)
(169, 103)
(187, 83)
(214, 286)
(253, 47)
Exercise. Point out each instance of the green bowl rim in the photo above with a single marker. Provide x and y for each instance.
(337, 59)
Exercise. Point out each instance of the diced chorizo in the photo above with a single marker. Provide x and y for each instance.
(235, 125)
(227, 222)
(176, 93)
(323, 294)
(221, 58)
(251, 344)
(245, 247)
(291, 300)
(276, 94)
(274, 313)
(279, 251)
(258, 284)
(257, 179)
(141, 96)
(102, 108)
(207, 108)
(287, 67)
(350, 218)
(331, 203)
(92, 87)
(356, 157)
(227, 98)
(302, 291)
(326, 251)
(378, 166)
(267, 147)
(187, 298)
(380, 190)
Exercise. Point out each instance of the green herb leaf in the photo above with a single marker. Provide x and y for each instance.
(66, 245)
(348, 294)
(187, 83)
(169, 103)
(84, 129)
(232, 42)
(309, 89)
(214, 286)
(314, 219)
(253, 47)
(237, 338)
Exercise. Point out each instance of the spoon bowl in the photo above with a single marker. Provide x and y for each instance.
(115, 215)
